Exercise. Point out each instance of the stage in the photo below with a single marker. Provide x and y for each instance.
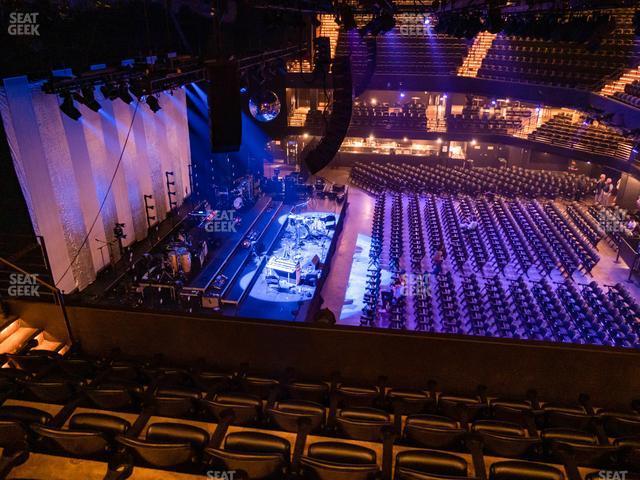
(240, 274)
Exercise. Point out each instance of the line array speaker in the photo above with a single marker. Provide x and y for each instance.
(225, 109)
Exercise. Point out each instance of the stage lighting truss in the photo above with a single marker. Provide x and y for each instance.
(142, 78)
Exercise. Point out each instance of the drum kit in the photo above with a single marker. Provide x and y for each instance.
(303, 227)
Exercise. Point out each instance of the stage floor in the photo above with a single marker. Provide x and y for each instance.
(344, 289)
(288, 302)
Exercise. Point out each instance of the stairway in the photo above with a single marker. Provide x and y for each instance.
(629, 76)
(473, 61)
(16, 336)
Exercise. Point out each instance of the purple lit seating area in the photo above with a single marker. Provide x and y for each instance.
(472, 121)
(510, 182)
(408, 116)
(596, 139)
(520, 256)
(433, 54)
(631, 94)
(126, 415)
(561, 64)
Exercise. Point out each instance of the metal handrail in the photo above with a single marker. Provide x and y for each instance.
(56, 293)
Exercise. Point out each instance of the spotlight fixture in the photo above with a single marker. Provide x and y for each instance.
(109, 91)
(68, 108)
(124, 95)
(153, 103)
(88, 98)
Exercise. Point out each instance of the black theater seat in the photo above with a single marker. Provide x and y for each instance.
(339, 461)
(417, 464)
(175, 402)
(260, 387)
(257, 455)
(619, 424)
(287, 414)
(433, 431)
(50, 390)
(89, 434)
(168, 445)
(582, 446)
(410, 402)
(519, 470)
(317, 392)
(462, 408)
(14, 425)
(517, 411)
(357, 396)
(363, 423)
(566, 416)
(116, 396)
(246, 408)
(505, 439)
(34, 361)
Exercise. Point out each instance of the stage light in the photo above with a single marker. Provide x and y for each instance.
(473, 141)
(87, 98)
(109, 91)
(68, 108)
(124, 95)
(439, 140)
(371, 137)
(153, 103)
(445, 96)
(401, 94)
(305, 135)
(405, 139)
(243, 90)
(374, 101)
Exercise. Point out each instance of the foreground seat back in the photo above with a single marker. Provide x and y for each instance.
(258, 455)
(339, 461)
(14, 421)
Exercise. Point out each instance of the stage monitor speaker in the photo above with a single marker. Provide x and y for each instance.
(322, 154)
(225, 105)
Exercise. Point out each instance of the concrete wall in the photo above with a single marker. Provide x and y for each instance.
(458, 363)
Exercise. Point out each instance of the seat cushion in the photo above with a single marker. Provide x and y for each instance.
(569, 436)
(431, 461)
(99, 422)
(517, 470)
(238, 399)
(364, 415)
(300, 407)
(342, 453)
(257, 442)
(177, 433)
(24, 414)
(432, 421)
(496, 427)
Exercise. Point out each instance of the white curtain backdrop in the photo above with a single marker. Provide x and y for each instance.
(65, 166)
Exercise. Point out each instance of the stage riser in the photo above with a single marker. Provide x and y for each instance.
(409, 359)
